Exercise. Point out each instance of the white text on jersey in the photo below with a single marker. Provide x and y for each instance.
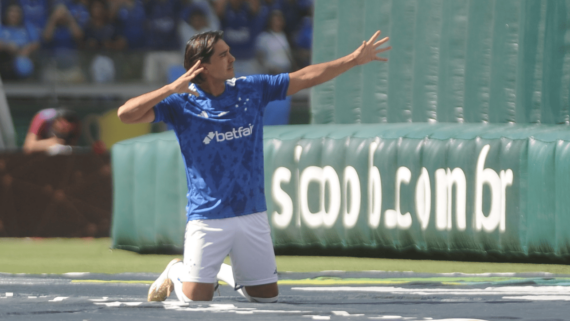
(229, 135)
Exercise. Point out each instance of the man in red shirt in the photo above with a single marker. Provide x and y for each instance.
(52, 130)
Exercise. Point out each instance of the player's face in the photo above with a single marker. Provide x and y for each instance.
(221, 65)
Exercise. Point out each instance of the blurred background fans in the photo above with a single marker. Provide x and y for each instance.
(88, 57)
(92, 55)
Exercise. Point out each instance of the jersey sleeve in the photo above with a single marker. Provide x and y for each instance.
(274, 87)
(168, 109)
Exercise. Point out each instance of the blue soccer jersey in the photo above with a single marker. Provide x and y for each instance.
(221, 139)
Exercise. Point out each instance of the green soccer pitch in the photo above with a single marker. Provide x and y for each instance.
(37, 256)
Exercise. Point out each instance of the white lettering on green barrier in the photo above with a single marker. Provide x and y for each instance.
(322, 176)
(352, 184)
(374, 189)
(446, 180)
(395, 218)
(423, 198)
(498, 185)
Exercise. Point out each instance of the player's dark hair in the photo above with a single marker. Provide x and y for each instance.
(200, 47)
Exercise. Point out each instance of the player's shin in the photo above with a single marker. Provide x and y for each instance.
(174, 274)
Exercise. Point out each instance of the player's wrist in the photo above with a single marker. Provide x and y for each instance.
(352, 59)
(170, 89)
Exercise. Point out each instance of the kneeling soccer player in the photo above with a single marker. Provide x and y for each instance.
(218, 123)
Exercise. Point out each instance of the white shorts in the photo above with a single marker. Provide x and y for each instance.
(247, 240)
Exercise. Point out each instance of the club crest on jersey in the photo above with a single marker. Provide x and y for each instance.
(235, 133)
(232, 82)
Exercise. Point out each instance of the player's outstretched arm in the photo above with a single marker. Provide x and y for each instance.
(140, 109)
(317, 74)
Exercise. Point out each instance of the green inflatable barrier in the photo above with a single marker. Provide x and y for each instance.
(452, 61)
(445, 189)
(457, 147)
(149, 194)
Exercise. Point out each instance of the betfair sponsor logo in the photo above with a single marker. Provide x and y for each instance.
(235, 133)
(208, 138)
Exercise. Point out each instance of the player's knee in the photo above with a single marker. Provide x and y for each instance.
(198, 291)
(266, 291)
(193, 296)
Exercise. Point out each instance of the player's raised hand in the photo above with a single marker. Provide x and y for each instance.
(369, 50)
(180, 85)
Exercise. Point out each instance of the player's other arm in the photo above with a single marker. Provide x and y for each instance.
(317, 74)
(140, 109)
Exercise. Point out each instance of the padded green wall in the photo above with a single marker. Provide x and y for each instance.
(460, 61)
(448, 205)
(149, 194)
(471, 189)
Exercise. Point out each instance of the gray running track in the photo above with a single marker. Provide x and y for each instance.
(304, 296)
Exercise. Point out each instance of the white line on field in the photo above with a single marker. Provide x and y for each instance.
(507, 290)
(58, 299)
(539, 297)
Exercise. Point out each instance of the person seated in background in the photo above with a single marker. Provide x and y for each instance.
(162, 39)
(18, 40)
(62, 36)
(293, 12)
(78, 10)
(130, 18)
(273, 50)
(242, 21)
(100, 38)
(36, 13)
(100, 34)
(303, 40)
(197, 17)
(53, 131)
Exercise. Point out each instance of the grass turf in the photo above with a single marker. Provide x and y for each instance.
(36, 256)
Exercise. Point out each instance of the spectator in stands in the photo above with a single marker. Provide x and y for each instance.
(272, 5)
(303, 40)
(130, 18)
(36, 13)
(162, 39)
(293, 12)
(241, 21)
(61, 37)
(197, 17)
(18, 40)
(78, 10)
(273, 50)
(53, 131)
(100, 38)
(100, 34)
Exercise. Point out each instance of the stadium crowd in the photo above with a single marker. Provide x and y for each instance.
(74, 41)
